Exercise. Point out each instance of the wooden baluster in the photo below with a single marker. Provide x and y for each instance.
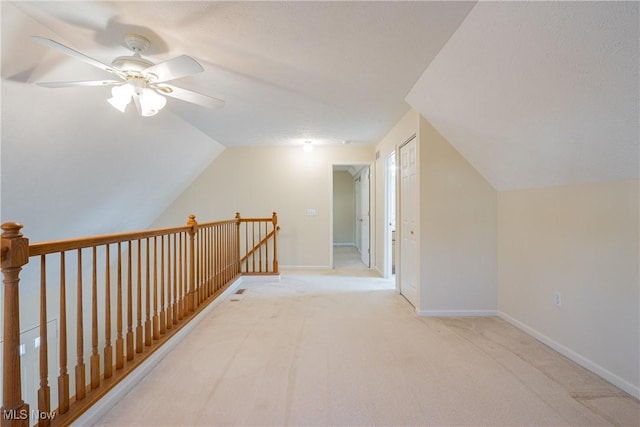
(15, 254)
(216, 258)
(63, 378)
(80, 367)
(156, 322)
(44, 393)
(108, 349)
(274, 221)
(253, 245)
(246, 246)
(139, 331)
(181, 269)
(163, 319)
(209, 262)
(227, 251)
(148, 333)
(95, 356)
(199, 259)
(203, 263)
(171, 279)
(238, 267)
(266, 248)
(175, 278)
(223, 257)
(119, 337)
(200, 254)
(192, 268)
(130, 336)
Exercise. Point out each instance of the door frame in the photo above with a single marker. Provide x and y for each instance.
(370, 165)
(388, 202)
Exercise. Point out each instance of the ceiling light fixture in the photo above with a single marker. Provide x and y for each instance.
(148, 100)
(307, 147)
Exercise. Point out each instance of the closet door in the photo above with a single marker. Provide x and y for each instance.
(409, 222)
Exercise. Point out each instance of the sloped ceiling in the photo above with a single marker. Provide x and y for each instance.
(537, 94)
(532, 94)
(289, 71)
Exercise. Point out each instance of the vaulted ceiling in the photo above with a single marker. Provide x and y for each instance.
(538, 94)
(531, 94)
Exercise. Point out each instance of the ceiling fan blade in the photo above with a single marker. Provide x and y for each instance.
(74, 53)
(189, 96)
(78, 84)
(174, 69)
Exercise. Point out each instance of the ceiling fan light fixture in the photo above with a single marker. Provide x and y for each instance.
(118, 104)
(151, 102)
(121, 96)
(140, 79)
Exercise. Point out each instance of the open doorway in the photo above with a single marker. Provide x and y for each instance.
(351, 217)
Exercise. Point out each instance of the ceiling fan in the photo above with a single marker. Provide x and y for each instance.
(140, 80)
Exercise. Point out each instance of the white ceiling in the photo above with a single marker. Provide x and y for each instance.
(537, 94)
(532, 94)
(288, 71)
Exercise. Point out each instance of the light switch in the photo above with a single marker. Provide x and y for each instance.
(23, 349)
(311, 212)
(36, 342)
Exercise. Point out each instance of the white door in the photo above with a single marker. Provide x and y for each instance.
(364, 216)
(358, 209)
(409, 222)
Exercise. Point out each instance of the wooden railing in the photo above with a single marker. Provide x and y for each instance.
(157, 280)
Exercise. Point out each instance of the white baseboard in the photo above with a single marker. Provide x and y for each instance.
(100, 408)
(344, 244)
(261, 279)
(576, 357)
(305, 267)
(457, 313)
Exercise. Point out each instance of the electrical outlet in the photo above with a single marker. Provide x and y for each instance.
(557, 299)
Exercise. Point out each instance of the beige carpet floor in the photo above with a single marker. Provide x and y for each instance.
(336, 350)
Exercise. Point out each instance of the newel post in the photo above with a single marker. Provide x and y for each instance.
(15, 254)
(274, 220)
(192, 263)
(238, 267)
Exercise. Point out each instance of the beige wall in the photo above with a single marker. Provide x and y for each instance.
(259, 180)
(582, 241)
(458, 231)
(343, 208)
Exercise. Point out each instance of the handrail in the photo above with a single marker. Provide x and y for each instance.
(157, 280)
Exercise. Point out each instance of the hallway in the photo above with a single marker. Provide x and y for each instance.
(323, 350)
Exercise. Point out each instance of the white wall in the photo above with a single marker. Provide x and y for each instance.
(458, 231)
(582, 241)
(343, 208)
(256, 181)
